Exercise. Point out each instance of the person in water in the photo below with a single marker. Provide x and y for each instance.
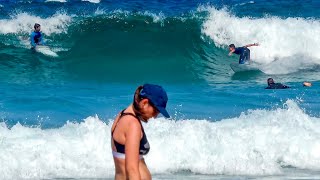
(273, 85)
(244, 52)
(128, 140)
(36, 36)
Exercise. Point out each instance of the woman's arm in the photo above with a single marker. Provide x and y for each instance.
(132, 144)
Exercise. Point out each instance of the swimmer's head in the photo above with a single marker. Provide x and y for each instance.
(232, 47)
(270, 81)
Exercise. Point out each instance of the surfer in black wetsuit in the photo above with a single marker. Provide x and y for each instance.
(244, 52)
(272, 85)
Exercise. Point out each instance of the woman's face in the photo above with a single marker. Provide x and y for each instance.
(148, 109)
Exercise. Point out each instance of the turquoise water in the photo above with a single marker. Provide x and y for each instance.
(56, 112)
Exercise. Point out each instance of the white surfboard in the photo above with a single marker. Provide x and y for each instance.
(236, 67)
(46, 51)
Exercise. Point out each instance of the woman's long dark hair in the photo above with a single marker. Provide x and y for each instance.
(136, 108)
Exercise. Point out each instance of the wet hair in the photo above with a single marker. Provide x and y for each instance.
(270, 81)
(232, 46)
(36, 25)
(136, 99)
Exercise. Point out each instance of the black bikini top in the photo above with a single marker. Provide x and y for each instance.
(144, 144)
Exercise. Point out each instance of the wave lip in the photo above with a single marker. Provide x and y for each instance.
(23, 23)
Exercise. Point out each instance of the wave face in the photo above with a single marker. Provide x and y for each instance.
(287, 45)
(193, 45)
(258, 142)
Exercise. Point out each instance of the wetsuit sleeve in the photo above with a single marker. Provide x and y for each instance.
(41, 40)
(33, 44)
(281, 86)
(277, 86)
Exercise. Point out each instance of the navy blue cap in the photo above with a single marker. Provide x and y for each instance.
(158, 97)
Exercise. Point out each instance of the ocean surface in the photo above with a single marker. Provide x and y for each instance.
(56, 112)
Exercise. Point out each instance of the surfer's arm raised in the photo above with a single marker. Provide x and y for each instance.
(254, 44)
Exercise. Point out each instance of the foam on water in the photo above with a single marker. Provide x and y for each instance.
(62, 1)
(258, 142)
(93, 1)
(23, 23)
(122, 14)
(293, 41)
(246, 3)
(46, 51)
(75, 150)
(100, 11)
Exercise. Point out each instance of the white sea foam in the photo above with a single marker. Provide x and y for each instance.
(156, 17)
(62, 1)
(100, 11)
(249, 2)
(93, 1)
(23, 23)
(294, 41)
(258, 142)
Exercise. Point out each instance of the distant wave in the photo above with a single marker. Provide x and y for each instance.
(93, 1)
(62, 1)
(249, 2)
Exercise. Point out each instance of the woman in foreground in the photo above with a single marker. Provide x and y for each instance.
(129, 142)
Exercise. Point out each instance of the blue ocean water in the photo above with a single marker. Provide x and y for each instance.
(56, 112)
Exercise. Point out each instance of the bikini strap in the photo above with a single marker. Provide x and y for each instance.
(126, 114)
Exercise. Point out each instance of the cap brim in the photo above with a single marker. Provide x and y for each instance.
(164, 112)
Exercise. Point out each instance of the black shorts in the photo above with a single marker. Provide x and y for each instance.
(245, 56)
